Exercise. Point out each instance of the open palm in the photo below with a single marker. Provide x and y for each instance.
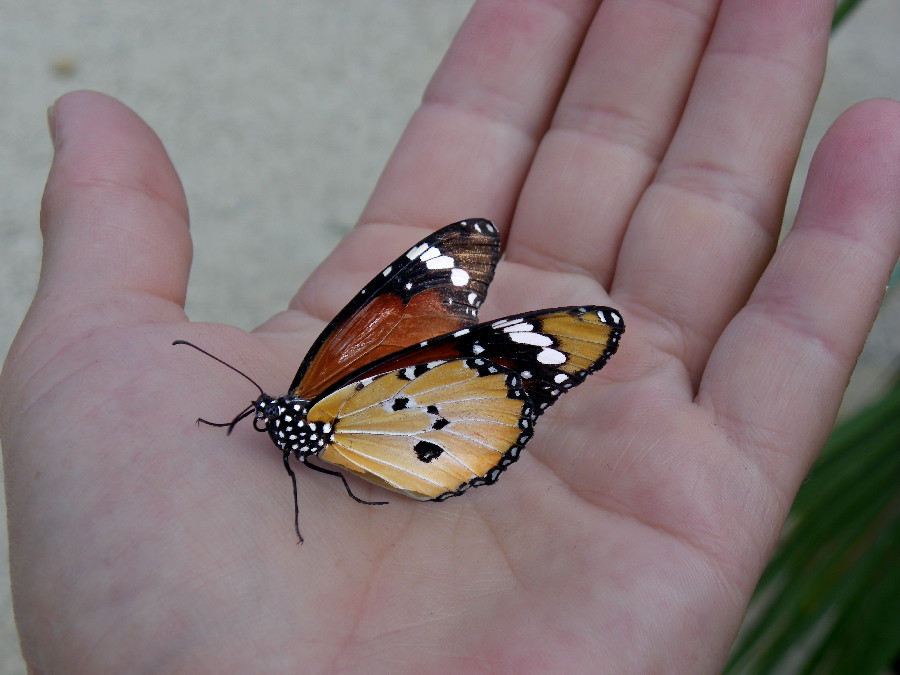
(639, 158)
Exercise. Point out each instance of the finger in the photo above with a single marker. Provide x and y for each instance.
(707, 225)
(615, 119)
(776, 378)
(114, 216)
(466, 149)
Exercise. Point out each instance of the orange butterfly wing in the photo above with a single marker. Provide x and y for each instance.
(436, 287)
(429, 434)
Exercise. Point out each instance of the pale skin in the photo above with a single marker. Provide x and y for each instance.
(648, 174)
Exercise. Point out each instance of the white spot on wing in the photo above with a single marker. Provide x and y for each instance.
(460, 333)
(560, 377)
(459, 277)
(441, 262)
(502, 323)
(416, 251)
(429, 253)
(551, 357)
(536, 339)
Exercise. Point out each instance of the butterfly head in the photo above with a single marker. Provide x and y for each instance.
(267, 410)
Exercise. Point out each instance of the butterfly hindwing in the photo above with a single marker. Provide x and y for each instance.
(453, 413)
(428, 432)
(435, 287)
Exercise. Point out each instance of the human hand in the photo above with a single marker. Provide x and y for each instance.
(650, 175)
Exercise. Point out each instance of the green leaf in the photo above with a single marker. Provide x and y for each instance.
(842, 11)
(829, 601)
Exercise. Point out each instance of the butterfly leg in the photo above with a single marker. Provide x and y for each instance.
(244, 413)
(321, 469)
(293, 476)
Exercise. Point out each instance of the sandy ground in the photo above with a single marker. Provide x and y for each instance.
(279, 116)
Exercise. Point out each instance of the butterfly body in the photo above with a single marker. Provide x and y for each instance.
(406, 390)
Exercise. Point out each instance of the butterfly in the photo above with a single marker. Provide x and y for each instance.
(405, 388)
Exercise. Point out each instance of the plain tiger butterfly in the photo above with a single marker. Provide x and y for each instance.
(405, 388)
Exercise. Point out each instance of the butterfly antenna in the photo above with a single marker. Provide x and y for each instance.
(227, 365)
(241, 415)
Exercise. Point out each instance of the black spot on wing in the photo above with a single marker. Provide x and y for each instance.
(427, 451)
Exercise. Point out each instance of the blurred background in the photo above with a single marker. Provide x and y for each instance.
(279, 116)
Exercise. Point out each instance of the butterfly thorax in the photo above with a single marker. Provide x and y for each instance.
(285, 420)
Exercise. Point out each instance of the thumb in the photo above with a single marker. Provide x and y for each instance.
(114, 221)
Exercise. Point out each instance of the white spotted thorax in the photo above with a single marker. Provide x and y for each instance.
(285, 420)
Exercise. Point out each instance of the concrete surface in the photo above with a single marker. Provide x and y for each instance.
(278, 116)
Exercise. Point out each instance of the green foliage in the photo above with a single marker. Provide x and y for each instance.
(829, 602)
(843, 9)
